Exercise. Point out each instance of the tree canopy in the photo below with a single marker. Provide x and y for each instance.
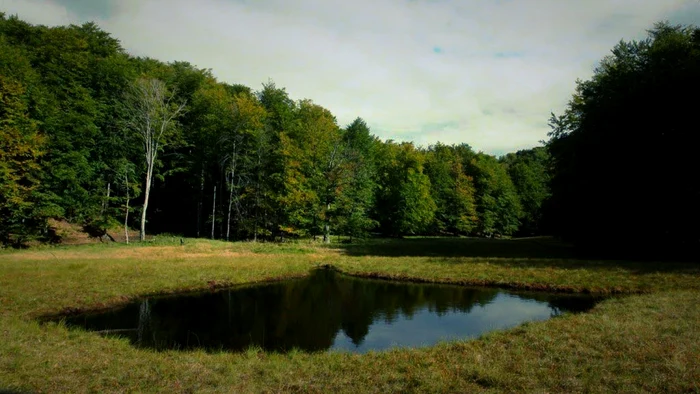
(623, 152)
(231, 162)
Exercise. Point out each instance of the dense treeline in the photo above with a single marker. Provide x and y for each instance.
(90, 133)
(625, 165)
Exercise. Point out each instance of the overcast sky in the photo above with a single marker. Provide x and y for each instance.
(483, 72)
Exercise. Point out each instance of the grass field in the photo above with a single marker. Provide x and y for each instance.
(645, 340)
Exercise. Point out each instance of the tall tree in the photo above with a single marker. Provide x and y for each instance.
(151, 114)
(314, 170)
(404, 203)
(357, 198)
(268, 183)
(206, 126)
(240, 140)
(529, 170)
(21, 147)
(176, 196)
(452, 190)
(498, 205)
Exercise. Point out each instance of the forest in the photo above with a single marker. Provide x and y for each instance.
(92, 135)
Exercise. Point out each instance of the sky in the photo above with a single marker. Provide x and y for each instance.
(483, 72)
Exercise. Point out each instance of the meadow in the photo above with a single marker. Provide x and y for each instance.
(644, 338)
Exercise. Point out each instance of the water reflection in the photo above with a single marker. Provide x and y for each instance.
(326, 311)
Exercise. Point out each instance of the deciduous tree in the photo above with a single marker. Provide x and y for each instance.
(151, 115)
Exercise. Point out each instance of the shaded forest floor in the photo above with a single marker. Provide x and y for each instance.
(61, 232)
(647, 340)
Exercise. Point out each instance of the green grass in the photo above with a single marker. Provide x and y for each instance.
(646, 341)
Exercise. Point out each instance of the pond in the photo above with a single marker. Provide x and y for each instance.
(326, 311)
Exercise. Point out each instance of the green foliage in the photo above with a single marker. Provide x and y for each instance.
(404, 204)
(498, 204)
(358, 195)
(416, 206)
(268, 186)
(452, 190)
(277, 166)
(529, 171)
(312, 171)
(21, 147)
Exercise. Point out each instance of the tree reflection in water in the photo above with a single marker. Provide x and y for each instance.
(326, 311)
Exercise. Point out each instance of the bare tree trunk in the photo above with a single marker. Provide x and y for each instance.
(106, 202)
(230, 204)
(230, 198)
(258, 168)
(257, 203)
(150, 116)
(142, 233)
(126, 214)
(199, 205)
(327, 227)
(221, 223)
(213, 214)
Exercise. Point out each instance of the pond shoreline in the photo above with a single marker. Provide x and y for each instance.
(325, 311)
(224, 285)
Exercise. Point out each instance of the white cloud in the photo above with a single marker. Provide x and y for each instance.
(38, 12)
(375, 59)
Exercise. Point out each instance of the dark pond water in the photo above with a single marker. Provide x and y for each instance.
(325, 311)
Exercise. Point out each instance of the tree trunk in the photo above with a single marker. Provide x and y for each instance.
(230, 203)
(327, 227)
(213, 214)
(255, 230)
(257, 204)
(221, 223)
(234, 157)
(142, 233)
(199, 205)
(106, 202)
(150, 114)
(126, 214)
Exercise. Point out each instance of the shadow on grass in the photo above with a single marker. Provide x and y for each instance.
(632, 267)
(536, 247)
(534, 252)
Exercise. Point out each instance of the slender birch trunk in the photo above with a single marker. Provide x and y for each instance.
(327, 227)
(230, 204)
(213, 214)
(151, 115)
(142, 232)
(199, 205)
(126, 214)
(106, 201)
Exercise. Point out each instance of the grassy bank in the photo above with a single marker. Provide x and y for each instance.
(640, 342)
